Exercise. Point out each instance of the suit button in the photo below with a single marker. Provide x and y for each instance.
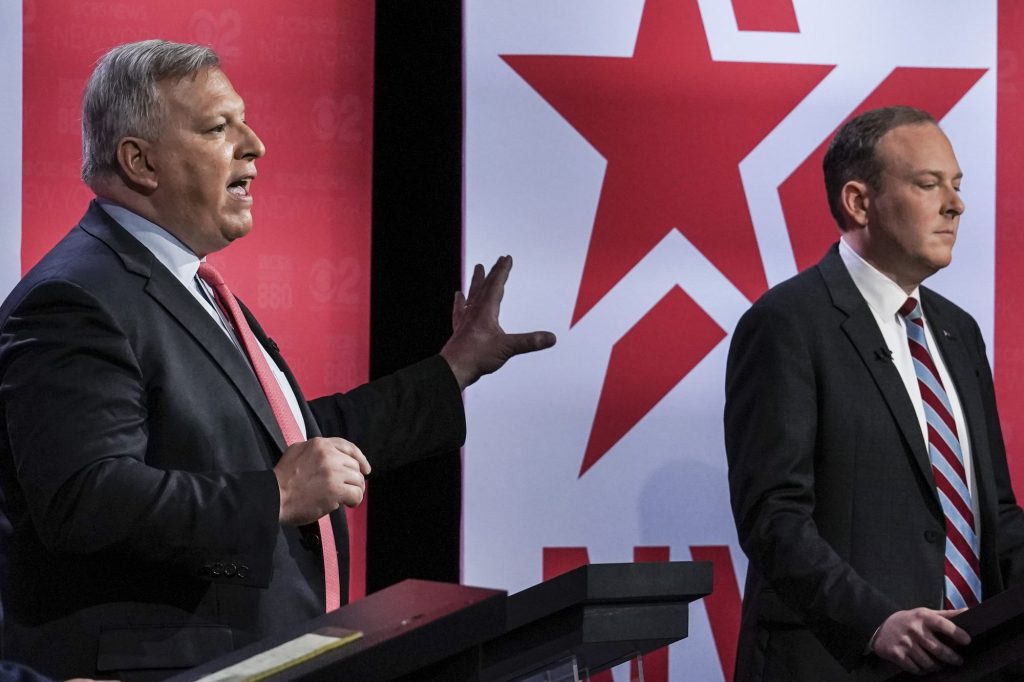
(311, 541)
(933, 536)
(243, 571)
(230, 570)
(217, 569)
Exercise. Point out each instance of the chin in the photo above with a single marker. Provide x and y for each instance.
(234, 232)
(938, 263)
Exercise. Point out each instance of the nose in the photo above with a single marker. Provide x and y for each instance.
(954, 204)
(252, 146)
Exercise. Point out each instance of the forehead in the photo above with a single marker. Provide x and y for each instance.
(919, 147)
(203, 93)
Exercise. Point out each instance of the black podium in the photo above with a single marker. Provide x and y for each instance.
(416, 630)
(601, 614)
(996, 651)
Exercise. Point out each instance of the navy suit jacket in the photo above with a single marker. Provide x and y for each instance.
(831, 486)
(136, 455)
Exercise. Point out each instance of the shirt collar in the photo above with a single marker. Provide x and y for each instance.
(883, 295)
(167, 248)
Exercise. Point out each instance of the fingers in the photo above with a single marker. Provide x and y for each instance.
(939, 652)
(351, 494)
(476, 284)
(458, 309)
(494, 290)
(919, 640)
(911, 666)
(478, 345)
(529, 342)
(934, 624)
(347, 480)
(951, 612)
(356, 455)
(488, 288)
(348, 483)
(951, 630)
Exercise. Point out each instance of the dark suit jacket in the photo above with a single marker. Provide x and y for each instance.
(830, 480)
(13, 672)
(136, 448)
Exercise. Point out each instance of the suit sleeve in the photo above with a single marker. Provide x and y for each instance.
(414, 413)
(771, 442)
(76, 410)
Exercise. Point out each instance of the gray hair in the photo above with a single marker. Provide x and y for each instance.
(122, 98)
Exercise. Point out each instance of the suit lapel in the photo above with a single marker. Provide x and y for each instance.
(961, 370)
(166, 290)
(862, 330)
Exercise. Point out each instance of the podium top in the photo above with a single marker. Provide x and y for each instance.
(602, 614)
(405, 627)
(632, 583)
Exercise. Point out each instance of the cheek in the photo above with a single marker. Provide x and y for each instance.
(207, 174)
(906, 221)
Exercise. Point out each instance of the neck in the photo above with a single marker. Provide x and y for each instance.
(889, 267)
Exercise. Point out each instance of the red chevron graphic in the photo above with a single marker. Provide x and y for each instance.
(673, 139)
(811, 227)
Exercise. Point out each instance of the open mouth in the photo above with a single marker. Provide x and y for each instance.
(240, 187)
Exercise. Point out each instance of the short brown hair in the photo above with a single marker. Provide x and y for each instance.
(851, 154)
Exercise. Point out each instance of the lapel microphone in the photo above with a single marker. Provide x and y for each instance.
(883, 354)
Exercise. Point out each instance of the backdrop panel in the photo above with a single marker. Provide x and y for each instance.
(305, 70)
(654, 167)
(10, 145)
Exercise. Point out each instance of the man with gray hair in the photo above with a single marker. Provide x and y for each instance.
(170, 494)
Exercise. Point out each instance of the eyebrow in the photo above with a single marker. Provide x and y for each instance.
(939, 174)
(226, 114)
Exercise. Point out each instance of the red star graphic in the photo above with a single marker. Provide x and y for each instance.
(673, 126)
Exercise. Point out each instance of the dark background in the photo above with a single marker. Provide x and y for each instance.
(414, 514)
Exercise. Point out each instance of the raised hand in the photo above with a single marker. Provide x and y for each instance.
(478, 345)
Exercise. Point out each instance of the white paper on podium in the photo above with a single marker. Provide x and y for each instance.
(291, 653)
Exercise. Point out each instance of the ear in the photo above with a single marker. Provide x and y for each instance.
(855, 199)
(133, 158)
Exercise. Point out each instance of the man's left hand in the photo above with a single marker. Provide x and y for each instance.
(920, 640)
(478, 345)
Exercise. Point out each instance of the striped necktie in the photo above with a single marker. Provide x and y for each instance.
(962, 568)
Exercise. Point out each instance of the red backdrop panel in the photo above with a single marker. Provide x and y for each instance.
(305, 70)
(1009, 325)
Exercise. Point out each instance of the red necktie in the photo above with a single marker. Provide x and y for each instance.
(283, 414)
